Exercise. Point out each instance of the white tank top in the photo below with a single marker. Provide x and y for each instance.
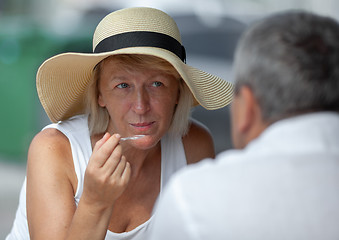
(76, 130)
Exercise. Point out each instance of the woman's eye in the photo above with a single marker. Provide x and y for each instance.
(157, 84)
(122, 85)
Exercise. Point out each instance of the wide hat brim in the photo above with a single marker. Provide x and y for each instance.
(63, 79)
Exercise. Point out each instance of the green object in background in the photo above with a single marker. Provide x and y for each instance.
(21, 53)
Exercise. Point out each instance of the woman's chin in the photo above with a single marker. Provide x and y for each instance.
(145, 142)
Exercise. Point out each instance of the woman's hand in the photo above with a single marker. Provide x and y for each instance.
(107, 173)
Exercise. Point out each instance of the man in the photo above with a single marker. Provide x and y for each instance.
(282, 181)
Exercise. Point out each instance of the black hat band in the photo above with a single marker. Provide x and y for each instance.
(141, 39)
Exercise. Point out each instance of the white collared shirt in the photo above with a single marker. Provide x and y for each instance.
(283, 185)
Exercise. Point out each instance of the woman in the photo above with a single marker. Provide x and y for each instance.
(83, 180)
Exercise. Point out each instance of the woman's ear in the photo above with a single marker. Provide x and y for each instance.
(178, 97)
(181, 88)
(101, 101)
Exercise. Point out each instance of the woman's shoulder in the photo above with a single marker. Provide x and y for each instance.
(49, 136)
(197, 133)
(50, 156)
(198, 142)
(49, 146)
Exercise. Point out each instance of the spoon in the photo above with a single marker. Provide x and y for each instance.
(132, 137)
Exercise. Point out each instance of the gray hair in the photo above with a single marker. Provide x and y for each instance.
(99, 117)
(291, 63)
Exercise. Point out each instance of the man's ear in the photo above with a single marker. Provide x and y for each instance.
(246, 115)
(248, 109)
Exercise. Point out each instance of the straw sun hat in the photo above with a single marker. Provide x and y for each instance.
(62, 80)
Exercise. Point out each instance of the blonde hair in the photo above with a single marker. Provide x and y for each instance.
(99, 117)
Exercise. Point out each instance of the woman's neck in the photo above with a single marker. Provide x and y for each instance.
(141, 159)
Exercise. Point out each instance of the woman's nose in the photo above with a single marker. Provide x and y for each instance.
(141, 101)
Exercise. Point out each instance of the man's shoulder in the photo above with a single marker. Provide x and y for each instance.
(208, 171)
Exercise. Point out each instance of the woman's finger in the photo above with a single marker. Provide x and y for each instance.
(113, 160)
(120, 167)
(99, 143)
(126, 174)
(106, 149)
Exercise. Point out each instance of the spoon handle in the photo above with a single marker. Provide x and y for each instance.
(132, 137)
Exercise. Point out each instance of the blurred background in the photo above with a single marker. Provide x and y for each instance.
(34, 30)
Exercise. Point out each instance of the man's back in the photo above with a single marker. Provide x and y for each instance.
(283, 185)
(283, 181)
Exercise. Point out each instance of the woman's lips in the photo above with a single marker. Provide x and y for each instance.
(142, 126)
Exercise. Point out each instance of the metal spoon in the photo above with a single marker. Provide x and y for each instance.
(132, 137)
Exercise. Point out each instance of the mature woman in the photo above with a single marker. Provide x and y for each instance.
(84, 179)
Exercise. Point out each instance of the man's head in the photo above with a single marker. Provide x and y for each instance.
(285, 65)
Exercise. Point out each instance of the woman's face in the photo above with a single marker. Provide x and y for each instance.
(139, 102)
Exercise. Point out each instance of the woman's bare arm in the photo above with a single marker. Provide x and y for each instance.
(51, 183)
(50, 186)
